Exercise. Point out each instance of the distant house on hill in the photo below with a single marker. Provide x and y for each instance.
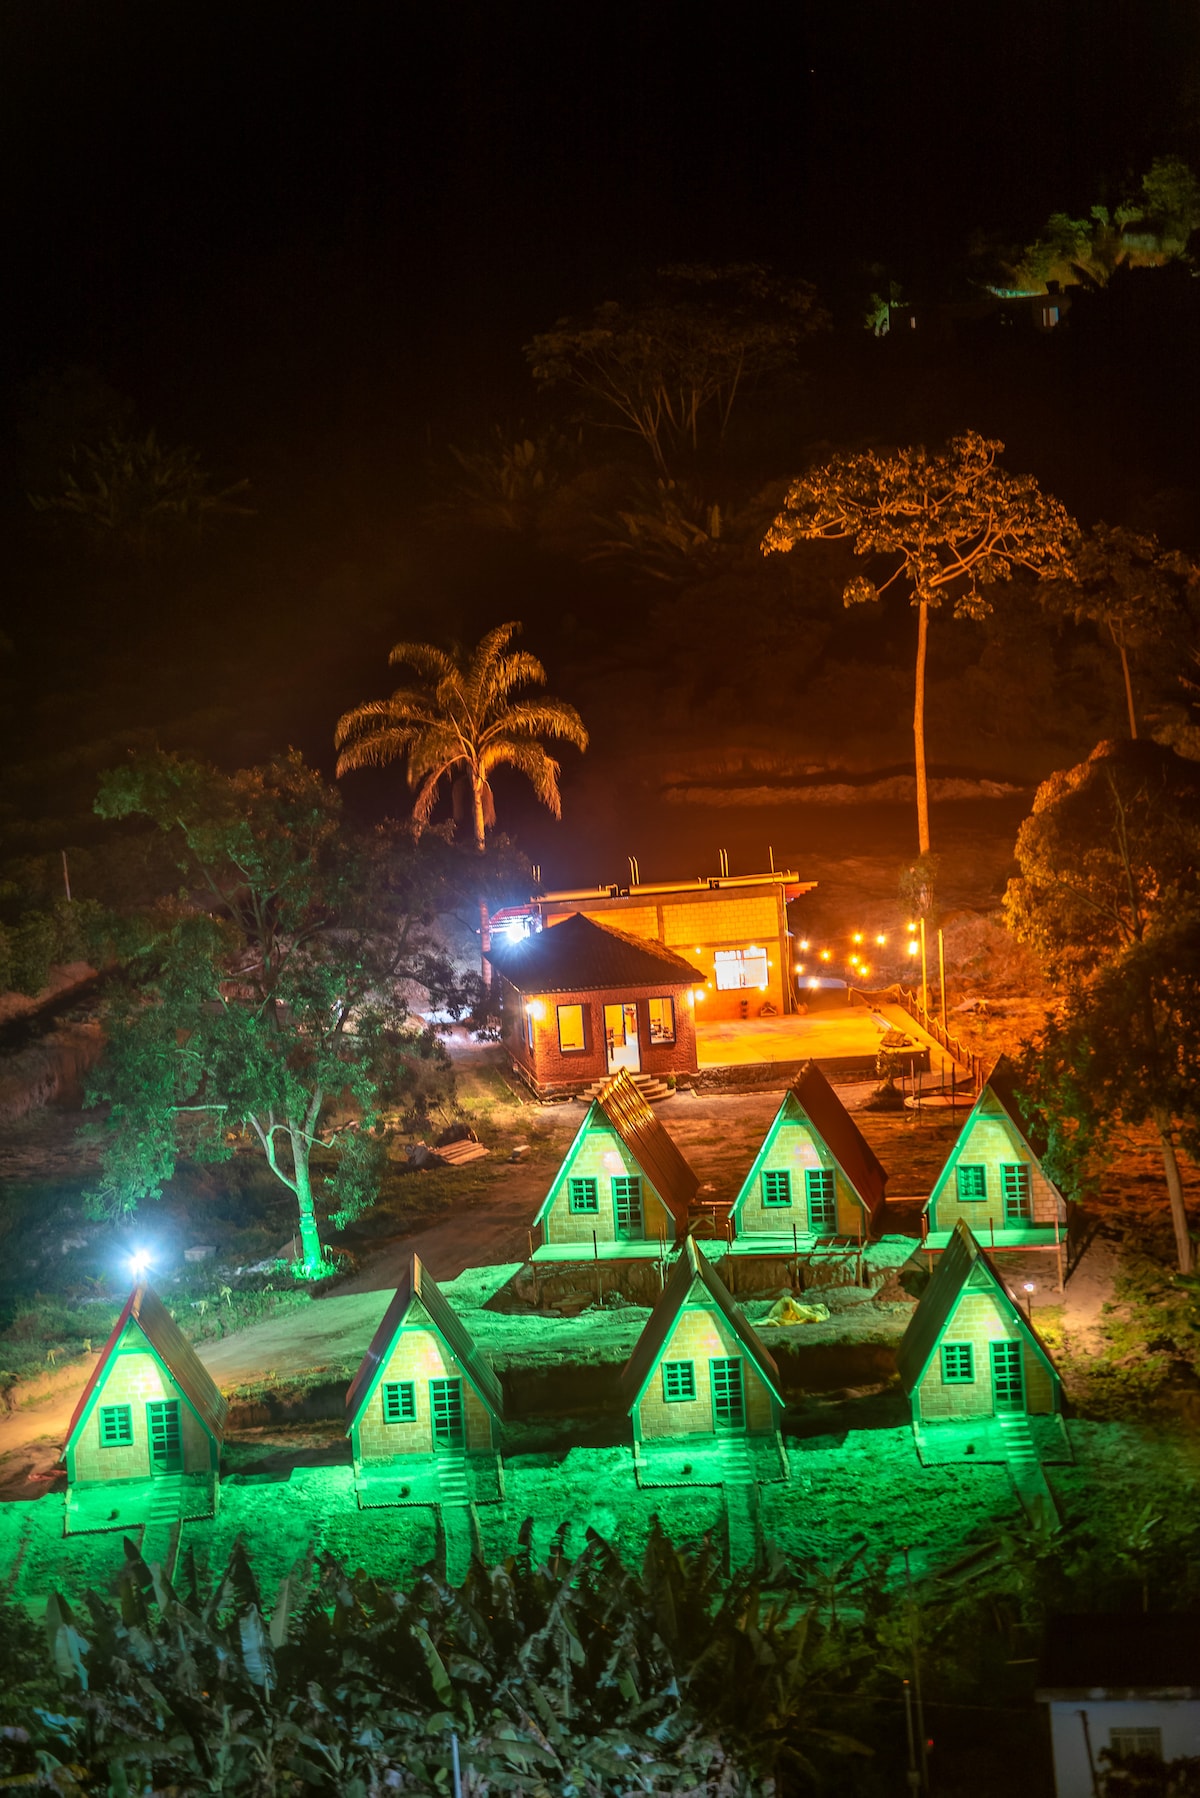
(969, 1351)
(581, 1001)
(150, 1409)
(425, 1406)
(815, 1171)
(993, 1179)
(699, 1376)
(623, 1186)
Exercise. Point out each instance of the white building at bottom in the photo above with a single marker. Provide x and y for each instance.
(1119, 1684)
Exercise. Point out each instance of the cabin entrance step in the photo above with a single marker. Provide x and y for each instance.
(740, 1489)
(1033, 1488)
(456, 1512)
(160, 1537)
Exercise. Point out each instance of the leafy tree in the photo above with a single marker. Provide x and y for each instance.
(1109, 896)
(663, 368)
(267, 1002)
(1171, 201)
(950, 525)
(462, 722)
(130, 493)
(1125, 582)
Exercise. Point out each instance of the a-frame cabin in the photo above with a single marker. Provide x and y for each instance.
(969, 1351)
(623, 1187)
(149, 1411)
(425, 1403)
(815, 1173)
(699, 1377)
(993, 1179)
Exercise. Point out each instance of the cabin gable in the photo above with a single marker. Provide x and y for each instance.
(111, 1439)
(597, 1158)
(960, 1375)
(673, 1406)
(992, 1179)
(789, 1183)
(395, 1417)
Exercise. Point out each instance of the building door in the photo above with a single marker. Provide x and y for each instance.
(822, 1201)
(446, 1411)
(621, 1038)
(627, 1207)
(165, 1436)
(1008, 1384)
(729, 1403)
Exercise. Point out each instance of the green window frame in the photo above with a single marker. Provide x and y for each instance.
(399, 1401)
(821, 1192)
(628, 1211)
(116, 1426)
(679, 1381)
(972, 1182)
(1016, 1187)
(958, 1364)
(776, 1186)
(583, 1194)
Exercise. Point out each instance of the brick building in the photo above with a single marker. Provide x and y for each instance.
(579, 1001)
(698, 1370)
(623, 1187)
(815, 1172)
(993, 1179)
(425, 1401)
(969, 1351)
(150, 1409)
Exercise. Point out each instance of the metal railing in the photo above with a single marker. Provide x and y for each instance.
(965, 1058)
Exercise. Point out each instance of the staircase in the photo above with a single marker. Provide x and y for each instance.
(652, 1090)
(162, 1529)
(457, 1512)
(741, 1502)
(1033, 1488)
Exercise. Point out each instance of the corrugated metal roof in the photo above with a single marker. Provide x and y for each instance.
(146, 1311)
(657, 1154)
(959, 1260)
(581, 956)
(692, 1278)
(841, 1136)
(419, 1286)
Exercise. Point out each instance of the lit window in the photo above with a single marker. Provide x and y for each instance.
(777, 1187)
(972, 1183)
(662, 1020)
(740, 967)
(116, 1426)
(1135, 1739)
(679, 1381)
(399, 1401)
(822, 1201)
(529, 1026)
(570, 1029)
(958, 1363)
(1017, 1189)
(583, 1195)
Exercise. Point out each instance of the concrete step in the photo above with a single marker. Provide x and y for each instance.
(652, 1090)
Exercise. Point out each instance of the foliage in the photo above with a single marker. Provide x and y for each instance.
(670, 368)
(39, 938)
(269, 1000)
(130, 493)
(1108, 896)
(669, 534)
(505, 485)
(1146, 228)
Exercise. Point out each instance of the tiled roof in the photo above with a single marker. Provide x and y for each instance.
(145, 1309)
(961, 1258)
(581, 956)
(691, 1267)
(418, 1284)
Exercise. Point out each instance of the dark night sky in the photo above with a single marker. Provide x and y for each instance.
(329, 194)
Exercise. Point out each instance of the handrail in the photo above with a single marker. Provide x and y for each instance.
(966, 1058)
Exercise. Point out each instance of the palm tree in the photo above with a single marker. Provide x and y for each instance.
(459, 723)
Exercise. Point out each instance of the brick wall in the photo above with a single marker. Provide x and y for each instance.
(990, 1141)
(701, 1335)
(980, 1319)
(730, 923)
(795, 1148)
(550, 1068)
(418, 1355)
(600, 1155)
(135, 1378)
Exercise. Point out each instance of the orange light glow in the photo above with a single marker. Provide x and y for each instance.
(914, 948)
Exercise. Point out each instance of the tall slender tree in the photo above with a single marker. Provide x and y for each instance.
(951, 525)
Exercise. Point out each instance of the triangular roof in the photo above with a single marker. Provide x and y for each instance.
(960, 1263)
(811, 1099)
(144, 1309)
(1000, 1085)
(418, 1287)
(579, 955)
(691, 1275)
(621, 1106)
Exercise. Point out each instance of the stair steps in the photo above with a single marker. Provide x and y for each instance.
(1033, 1488)
(460, 1528)
(740, 1487)
(163, 1527)
(654, 1091)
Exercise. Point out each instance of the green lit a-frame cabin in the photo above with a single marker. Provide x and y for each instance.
(623, 1188)
(969, 1352)
(814, 1176)
(699, 1378)
(993, 1179)
(149, 1411)
(424, 1410)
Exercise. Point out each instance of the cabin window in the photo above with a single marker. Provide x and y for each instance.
(822, 1201)
(662, 1020)
(399, 1402)
(777, 1187)
(627, 1207)
(583, 1195)
(679, 1381)
(1134, 1738)
(740, 967)
(1017, 1188)
(972, 1183)
(570, 1029)
(958, 1363)
(116, 1426)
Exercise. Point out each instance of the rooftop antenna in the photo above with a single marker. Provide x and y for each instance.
(724, 862)
(771, 857)
(635, 878)
(537, 873)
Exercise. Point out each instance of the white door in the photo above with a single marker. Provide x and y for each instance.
(621, 1038)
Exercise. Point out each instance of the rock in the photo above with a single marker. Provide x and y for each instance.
(520, 1152)
(201, 1253)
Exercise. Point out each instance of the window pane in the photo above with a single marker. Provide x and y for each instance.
(679, 1381)
(1136, 1739)
(116, 1426)
(777, 1187)
(570, 1029)
(399, 1401)
(972, 1182)
(958, 1363)
(583, 1195)
(740, 967)
(1018, 1196)
(822, 1201)
(662, 1020)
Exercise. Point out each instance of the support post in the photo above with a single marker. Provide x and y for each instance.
(924, 976)
(942, 976)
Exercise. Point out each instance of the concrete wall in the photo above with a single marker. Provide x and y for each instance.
(418, 1355)
(552, 1070)
(599, 1156)
(135, 1378)
(795, 1148)
(980, 1319)
(699, 1336)
(990, 1141)
(1178, 1720)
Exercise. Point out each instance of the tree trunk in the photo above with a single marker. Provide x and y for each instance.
(479, 822)
(1183, 1242)
(310, 1241)
(1120, 642)
(919, 729)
